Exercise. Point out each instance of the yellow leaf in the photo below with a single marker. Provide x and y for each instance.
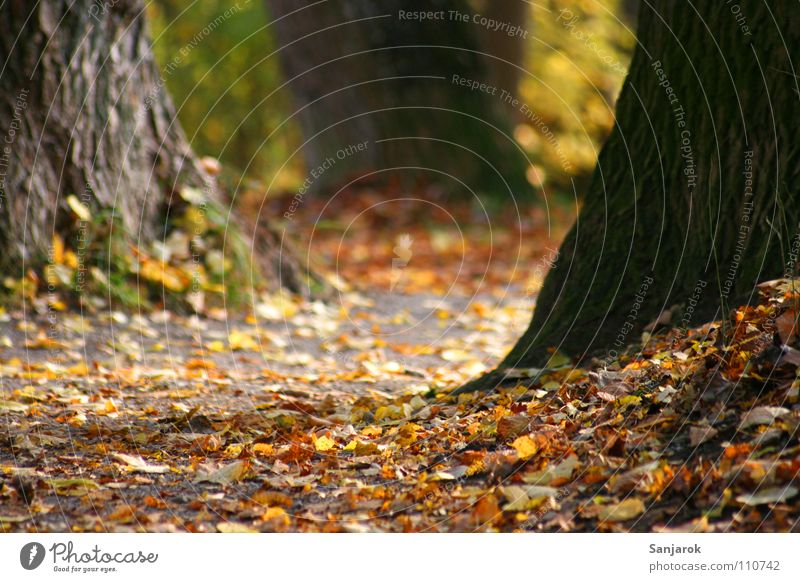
(13, 406)
(324, 443)
(629, 401)
(525, 446)
(79, 208)
(473, 368)
(241, 341)
(276, 513)
(382, 412)
(276, 307)
(372, 431)
(58, 250)
(159, 272)
(107, 407)
(71, 260)
(362, 449)
(263, 449)
(216, 346)
(42, 342)
(455, 355)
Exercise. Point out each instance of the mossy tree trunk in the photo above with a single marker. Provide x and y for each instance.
(85, 113)
(695, 196)
(364, 71)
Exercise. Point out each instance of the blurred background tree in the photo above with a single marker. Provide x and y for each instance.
(226, 84)
(417, 91)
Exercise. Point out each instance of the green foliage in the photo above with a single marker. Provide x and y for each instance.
(217, 59)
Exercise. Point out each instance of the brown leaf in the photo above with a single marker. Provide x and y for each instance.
(786, 325)
(224, 475)
(700, 434)
(513, 426)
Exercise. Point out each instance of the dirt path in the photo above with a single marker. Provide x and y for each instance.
(337, 417)
(79, 392)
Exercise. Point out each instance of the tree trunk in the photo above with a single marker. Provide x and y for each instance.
(367, 72)
(695, 196)
(85, 114)
(506, 52)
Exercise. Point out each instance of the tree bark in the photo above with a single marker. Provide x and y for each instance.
(695, 196)
(85, 114)
(361, 72)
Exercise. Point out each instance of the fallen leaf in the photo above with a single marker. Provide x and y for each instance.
(559, 472)
(622, 511)
(526, 447)
(786, 325)
(231, 527)
(73, 487)
(455, 355)
(79, 208)
(239, 340)
(770, 495)
(614, 390)
(13, 406)
(139, 465)
(224, 475)
(517, 498)
(265, 449)
(763, 415)
(513, 426)
(14, 518)
(536, 492)
(324, 443)
(700, 434)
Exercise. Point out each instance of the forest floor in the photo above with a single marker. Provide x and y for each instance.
(337, 416)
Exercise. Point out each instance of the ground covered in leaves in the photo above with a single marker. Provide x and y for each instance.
(337, 416)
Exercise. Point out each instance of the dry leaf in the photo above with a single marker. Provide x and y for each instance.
(226, 475)
(622, 511)
(770, 495)
(324, 444)
(700, 434)
(763, 415)
(139, 465)
(526, 447)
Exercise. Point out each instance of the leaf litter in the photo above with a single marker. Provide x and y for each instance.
(311, 417)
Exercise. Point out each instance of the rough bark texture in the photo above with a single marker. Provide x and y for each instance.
(695, 195)
(361, 72)
(85, 113)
